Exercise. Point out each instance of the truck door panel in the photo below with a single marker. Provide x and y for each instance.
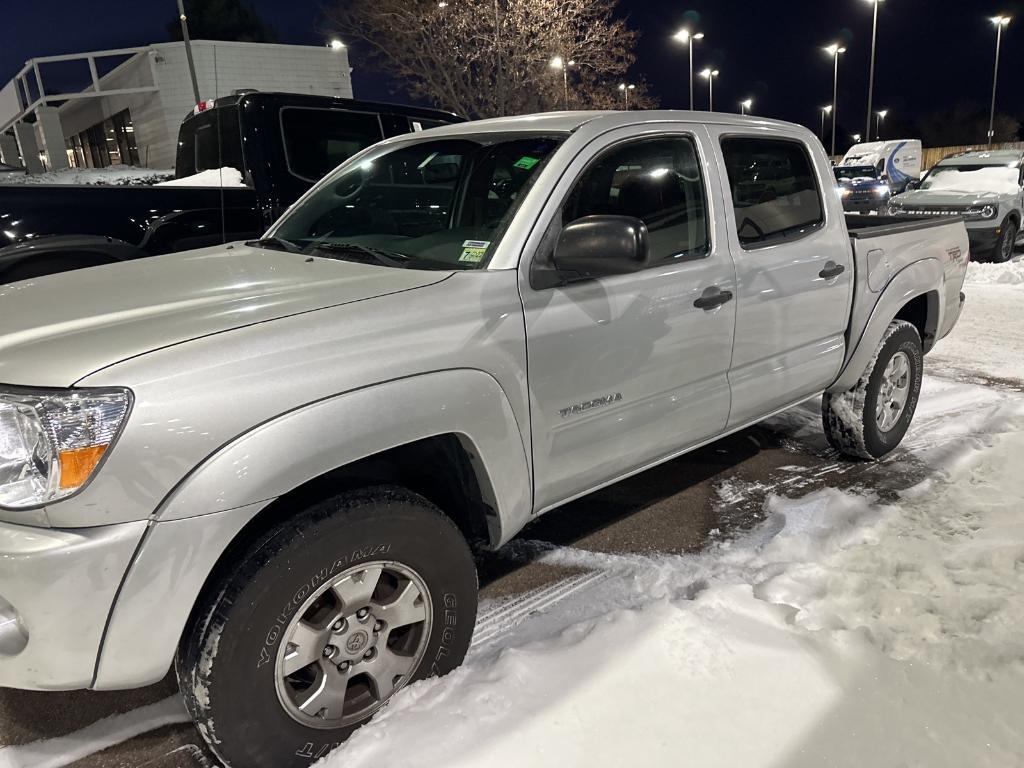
(625, 369)
(794, 273)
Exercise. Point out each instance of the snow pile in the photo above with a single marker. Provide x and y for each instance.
(118, 175)
(215, 177)
(841, 631)
(1008, 273)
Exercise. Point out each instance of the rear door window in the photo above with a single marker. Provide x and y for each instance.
(316, 141)
(774, 190)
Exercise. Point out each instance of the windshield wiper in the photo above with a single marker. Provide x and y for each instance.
(387, 258)
(275, 243)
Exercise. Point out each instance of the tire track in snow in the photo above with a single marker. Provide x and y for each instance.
(108, 732)
(509, 614)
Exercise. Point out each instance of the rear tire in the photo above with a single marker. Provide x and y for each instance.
(871, 419)
(338, 575)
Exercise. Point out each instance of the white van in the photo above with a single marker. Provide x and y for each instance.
(898, 162)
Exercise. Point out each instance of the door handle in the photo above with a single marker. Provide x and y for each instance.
(831, 270)
(712, 298)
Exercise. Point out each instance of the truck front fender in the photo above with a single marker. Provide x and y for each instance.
(306, 443)
(918, 279)
(183, 544)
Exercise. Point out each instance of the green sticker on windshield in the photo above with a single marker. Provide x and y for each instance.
(473, 251)
(526, 163)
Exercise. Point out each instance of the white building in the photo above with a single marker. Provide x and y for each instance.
(131, 114)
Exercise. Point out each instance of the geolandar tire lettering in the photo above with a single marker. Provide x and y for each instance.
(871, 419)
(325, 617)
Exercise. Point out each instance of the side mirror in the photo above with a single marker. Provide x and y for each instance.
(596, 246)
(913, 184)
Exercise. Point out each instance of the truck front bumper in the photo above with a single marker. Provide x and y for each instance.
(56, 590)
(983, 239)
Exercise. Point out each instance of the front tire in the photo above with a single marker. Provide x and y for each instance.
(1007, 241)
(871, 419)
(321, 621)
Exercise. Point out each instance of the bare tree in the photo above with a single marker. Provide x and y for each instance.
(482, 58)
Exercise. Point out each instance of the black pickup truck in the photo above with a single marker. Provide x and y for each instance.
(282, 143)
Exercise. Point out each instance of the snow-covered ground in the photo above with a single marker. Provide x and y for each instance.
(112, 176)
(987, 342)
(851, 628)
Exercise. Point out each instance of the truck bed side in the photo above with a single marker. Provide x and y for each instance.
(884, 249)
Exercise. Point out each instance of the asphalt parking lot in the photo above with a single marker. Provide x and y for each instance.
(681, 506)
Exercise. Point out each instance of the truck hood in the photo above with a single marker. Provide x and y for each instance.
(56, 329)
(947, 197)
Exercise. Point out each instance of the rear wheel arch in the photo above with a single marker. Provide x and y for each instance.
(923, 313)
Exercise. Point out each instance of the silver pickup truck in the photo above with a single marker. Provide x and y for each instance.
(266, 462)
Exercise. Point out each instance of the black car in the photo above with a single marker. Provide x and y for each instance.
(862, 190)
(281, 143)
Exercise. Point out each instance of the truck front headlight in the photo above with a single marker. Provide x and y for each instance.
(52, 442)
(981, 213)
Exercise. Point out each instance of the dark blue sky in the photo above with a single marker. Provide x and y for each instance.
(932, 53)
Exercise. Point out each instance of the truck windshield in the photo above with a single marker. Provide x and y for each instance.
(845, 173)
(1002, 179)
(440, 204)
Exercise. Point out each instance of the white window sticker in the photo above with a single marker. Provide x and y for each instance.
(473, 251)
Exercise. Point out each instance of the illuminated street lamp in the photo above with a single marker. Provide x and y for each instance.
(834, 51)
(710, 75)
(871, 77)
(625, 91)
(856, 138)
(745, 106)
(824, 111)
(684, 36)
(559, 63)
(1000, 22)
(881, 119)
(337, 45)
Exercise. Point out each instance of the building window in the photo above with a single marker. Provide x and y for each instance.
(111, 142)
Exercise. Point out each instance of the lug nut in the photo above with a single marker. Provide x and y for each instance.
(329, 651)
(362, 613)
(370, 654)
(343, 667)
(378, 625)
(339, 626)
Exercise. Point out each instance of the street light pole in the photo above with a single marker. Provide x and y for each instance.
(710, 74)
(559, 63)
(881, 119)
(824, 111)
(188, 49)
(835, 49)
(688, 39)
(625, 92)
(871, 78)
(745, 106)
(500, 75)
(1000, 22)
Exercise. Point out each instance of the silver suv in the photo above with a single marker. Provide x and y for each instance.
(986, 188)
